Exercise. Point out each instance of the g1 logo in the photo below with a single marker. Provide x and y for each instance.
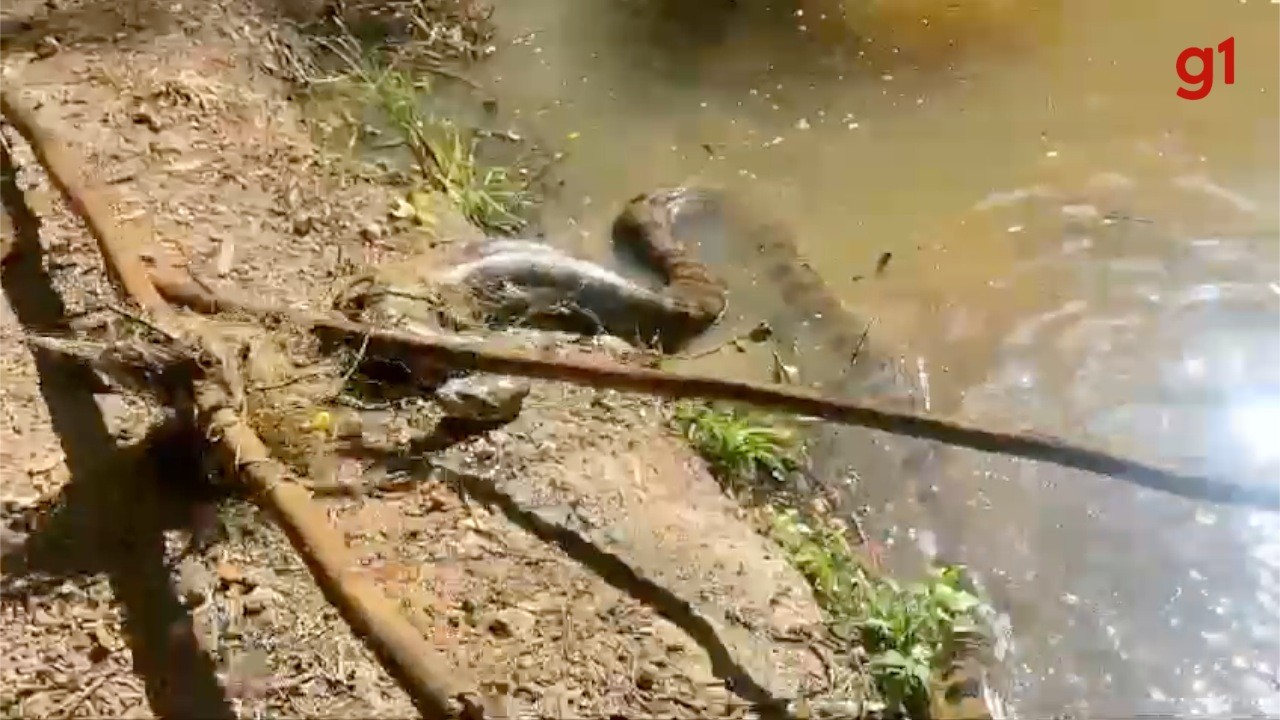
(1200, 83)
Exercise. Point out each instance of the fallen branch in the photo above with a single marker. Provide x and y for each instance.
(371, 614)
(157, 370)
(119, 250)
(398, 644)
(466, 354)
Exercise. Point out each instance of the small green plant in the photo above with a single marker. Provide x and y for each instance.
(916, 632)
(491, 197)
(822, 553)
(911, 633)
(739, 446)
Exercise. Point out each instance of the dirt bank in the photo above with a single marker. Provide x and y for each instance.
(578, 562)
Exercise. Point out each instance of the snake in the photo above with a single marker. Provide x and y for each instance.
(525, 278)
(664, 229)
(669, 230)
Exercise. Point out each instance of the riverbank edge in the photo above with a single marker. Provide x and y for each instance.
(226, 578)
(954, 696)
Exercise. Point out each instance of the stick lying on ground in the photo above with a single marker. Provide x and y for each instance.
(437, 688)
(118, 250)
(462, 353)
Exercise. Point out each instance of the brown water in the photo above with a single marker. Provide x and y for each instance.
(1075, 249)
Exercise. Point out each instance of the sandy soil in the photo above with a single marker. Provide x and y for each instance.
(578, 562)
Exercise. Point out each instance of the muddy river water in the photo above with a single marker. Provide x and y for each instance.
(1074, 249)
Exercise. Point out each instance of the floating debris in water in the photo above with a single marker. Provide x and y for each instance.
(923, 376)
(760, 332)
(802, 124)
(1081, 212)
(784, 373)
(882, 263)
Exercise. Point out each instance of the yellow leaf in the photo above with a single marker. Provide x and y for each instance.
(322, 421)
(401, 209)
(424, 206)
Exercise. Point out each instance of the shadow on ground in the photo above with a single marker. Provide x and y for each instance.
(111, 516)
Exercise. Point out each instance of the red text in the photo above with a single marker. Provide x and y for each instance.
(1198, 84)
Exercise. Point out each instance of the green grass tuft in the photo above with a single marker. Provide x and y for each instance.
(741, 447)
(910, 635)
(493, 198)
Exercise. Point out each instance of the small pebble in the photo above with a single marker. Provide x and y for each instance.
(512, 622)
(194, 582)
(229, 574)
(259, 600)
(47, 47)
